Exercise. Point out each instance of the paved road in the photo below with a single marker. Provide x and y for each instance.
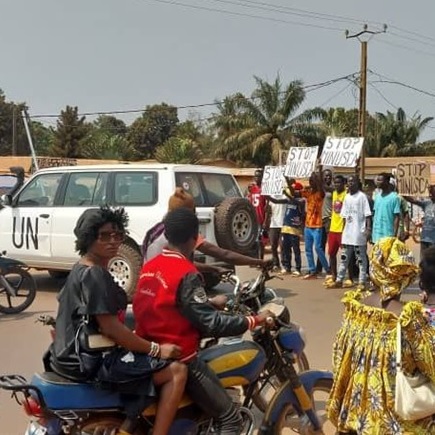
(22, 342)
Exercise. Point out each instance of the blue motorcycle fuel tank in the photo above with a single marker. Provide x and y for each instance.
(236, 361)
(291, 339)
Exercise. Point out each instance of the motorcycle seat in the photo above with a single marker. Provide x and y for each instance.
(63, 394)
(60, 393)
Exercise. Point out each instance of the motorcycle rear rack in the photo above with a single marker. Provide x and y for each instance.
(18, 384)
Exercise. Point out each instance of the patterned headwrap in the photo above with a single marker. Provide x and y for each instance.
(392, 267)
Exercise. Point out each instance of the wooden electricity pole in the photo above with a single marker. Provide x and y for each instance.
(362, 111)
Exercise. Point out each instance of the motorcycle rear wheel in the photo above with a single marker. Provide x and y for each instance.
(25, 286)
(289, 422)
(262, 398)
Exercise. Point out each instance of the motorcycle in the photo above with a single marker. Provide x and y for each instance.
(60, 406)
(17, 286)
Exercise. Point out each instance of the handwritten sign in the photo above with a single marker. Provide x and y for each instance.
(273, 181)
(301, 162)
(413, 179)
(342, 152)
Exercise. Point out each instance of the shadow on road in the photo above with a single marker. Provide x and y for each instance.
(24, 315)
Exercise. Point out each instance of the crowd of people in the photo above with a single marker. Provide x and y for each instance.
(337, 220)
(173, 310)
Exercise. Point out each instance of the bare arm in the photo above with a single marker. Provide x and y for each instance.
(111, 327)
(229, 256)
(396, 224)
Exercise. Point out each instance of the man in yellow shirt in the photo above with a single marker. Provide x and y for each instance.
(337, 225)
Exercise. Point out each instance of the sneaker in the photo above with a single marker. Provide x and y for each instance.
(334, 284)
(296, 273)
(310, 276)
(284, 271)
(348, 283)
(361, 286)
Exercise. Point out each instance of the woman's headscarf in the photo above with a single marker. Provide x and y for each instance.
(392, 267)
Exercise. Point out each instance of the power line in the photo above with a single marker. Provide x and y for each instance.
(404, 47)
(430, 38)
(245, 15)
(383, 96)
(389, 80)
(307, 88)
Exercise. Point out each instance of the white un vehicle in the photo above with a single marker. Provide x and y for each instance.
(37, 222)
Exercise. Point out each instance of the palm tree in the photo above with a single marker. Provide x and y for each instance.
(397, 133)
(178, 150)
(254, 130)
(107, 146)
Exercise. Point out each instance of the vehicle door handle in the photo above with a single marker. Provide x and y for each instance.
(44, 215)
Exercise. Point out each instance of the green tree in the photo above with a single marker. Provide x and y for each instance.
(104, 145)
(156, 125)
(178, 150)
(111, 124)
(71, 129)
(7, 109)
(396, 133)
(42, 137)
(254, 130)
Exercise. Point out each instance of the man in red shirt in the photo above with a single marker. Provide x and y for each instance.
(259, 202)
(171, 306)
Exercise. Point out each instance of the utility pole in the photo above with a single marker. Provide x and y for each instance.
(362, 111)
(14, 130)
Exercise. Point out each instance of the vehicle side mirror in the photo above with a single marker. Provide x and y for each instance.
(6, 199)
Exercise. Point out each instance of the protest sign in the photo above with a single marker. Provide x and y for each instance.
(301, 162)
(342, 152)
(273, 180)
(413, 179)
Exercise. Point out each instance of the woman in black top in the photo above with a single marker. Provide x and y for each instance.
(91, 291)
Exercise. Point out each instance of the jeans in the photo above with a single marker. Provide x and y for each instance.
(326, 223)
(361, 258)
(291, 242)
(274, 234)
(313, 236)
(205, 389)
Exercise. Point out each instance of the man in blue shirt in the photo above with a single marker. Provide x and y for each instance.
(386, 209)
(428, 228)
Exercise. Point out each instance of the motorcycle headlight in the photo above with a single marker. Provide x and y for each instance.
(302, 334)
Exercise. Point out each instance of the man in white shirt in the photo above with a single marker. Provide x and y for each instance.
(357, 230)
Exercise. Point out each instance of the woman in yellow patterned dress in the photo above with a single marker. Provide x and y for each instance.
(364, 356)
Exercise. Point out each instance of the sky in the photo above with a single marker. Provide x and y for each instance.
(120, 55)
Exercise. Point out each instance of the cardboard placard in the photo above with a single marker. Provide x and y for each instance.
(413, 179)
(301, 162)
(273, 181)
(342, 152)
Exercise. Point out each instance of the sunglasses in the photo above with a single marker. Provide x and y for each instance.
(109, 236)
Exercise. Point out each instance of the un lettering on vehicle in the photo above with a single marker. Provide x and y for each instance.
(301, 162)
(25, 232)
(341, 152)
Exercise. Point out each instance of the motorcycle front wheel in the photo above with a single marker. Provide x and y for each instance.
(289, 422)
(262, 396)
(25, 288)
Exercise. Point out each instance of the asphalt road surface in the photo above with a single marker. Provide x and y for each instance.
(22, 341)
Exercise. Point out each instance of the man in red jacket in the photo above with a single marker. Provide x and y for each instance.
(171, 306)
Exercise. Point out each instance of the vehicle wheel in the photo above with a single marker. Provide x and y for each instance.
(25, 286)
(104, 425)
(262, 398)
(416, 234)
(236, 226)
(289, 422)
(125, 268)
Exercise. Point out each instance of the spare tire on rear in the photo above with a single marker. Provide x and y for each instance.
(236, 226)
